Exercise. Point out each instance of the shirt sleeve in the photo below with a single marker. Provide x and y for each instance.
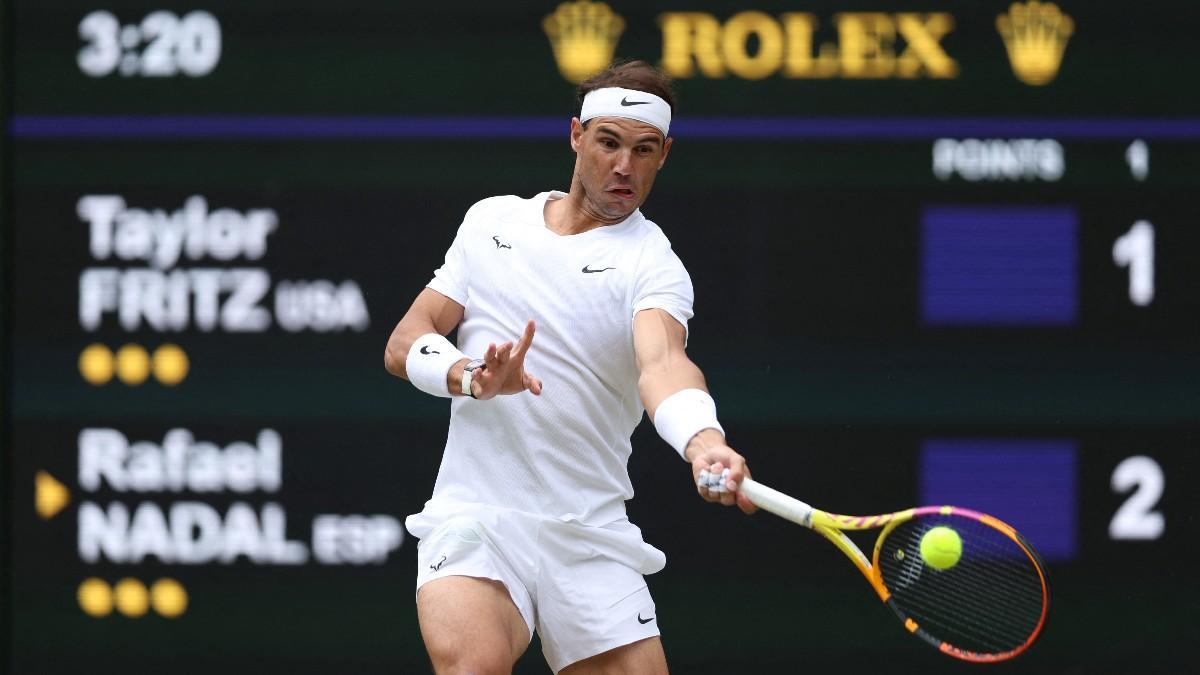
(451, 278)
(663, 283)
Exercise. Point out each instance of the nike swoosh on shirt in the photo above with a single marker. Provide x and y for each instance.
(587, 270)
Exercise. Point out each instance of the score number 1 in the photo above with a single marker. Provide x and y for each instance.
(1135, 250)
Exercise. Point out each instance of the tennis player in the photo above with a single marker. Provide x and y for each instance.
(526, 529)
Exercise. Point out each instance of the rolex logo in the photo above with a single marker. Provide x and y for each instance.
(1035, 34)
(584, 36)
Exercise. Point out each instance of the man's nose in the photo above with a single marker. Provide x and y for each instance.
(624, 163)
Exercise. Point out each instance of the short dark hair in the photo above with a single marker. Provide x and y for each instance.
(628, 74)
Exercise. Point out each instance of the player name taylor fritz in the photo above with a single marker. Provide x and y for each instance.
(193, 532)
(165, 298)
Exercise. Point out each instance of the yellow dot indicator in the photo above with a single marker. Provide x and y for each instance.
(170, 364)
(133, 364)
(95, 597)
(132, 600)
(168, 598)
(96, 364)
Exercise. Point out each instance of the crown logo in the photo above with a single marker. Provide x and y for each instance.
(583, 36)
(1035, 34)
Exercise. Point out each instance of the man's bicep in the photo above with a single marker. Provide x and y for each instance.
(663, 365)
(434, 309)
(430, 312)
(658, 338)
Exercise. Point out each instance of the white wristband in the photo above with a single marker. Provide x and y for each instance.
(684, 414)
(429, 360)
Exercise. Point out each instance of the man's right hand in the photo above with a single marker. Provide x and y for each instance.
(504, 371)
(708, 453)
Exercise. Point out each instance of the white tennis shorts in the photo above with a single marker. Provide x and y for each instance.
(580, 587)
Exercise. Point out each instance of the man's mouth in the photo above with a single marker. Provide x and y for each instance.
(622, 192)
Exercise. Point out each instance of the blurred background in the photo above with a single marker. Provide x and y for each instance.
(943, 252)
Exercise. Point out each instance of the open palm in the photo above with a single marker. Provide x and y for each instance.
(504, 371)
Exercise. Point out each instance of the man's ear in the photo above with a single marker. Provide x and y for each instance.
(666, 151)
(576, 133)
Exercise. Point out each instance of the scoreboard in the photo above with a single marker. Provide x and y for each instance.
(943, 252)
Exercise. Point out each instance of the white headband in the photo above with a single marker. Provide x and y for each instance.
(628, 103)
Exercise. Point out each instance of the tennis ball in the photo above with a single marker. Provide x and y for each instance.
(941, 547)
(133, 364)
(96, 364)
(168, 598)
(170, 364)
(131, 597)
(95, 597)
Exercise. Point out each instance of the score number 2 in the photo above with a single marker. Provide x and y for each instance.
(1136, 518)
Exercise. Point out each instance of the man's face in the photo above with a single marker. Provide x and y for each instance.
(616, 163)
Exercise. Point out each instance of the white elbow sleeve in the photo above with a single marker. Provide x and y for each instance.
(684, 414)
(429, 360)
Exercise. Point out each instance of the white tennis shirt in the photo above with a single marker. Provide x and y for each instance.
(563, 454)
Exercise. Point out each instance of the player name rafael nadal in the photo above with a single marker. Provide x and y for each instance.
(526, 529)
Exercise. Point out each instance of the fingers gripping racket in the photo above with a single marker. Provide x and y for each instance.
(983, 600)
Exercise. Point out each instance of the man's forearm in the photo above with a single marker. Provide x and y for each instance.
(659, 382)
(395, 356)
(682, 411)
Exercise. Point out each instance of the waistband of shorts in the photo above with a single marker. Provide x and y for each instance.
(437, 510)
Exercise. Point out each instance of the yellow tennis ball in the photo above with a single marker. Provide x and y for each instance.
(96, 364)
(168, 598)
(941, 547)
(95, 597)
(133, 364)
(131, 597)
(170, 364)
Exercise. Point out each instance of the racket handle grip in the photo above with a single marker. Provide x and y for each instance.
(776, 502)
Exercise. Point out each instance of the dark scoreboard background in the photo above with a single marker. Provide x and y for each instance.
(939, 256)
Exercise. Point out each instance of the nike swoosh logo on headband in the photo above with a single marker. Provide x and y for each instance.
(628, 103)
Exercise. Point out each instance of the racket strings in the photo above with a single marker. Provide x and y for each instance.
(981, 607)
(953, 604)
(965, 629)
(991, 601)
(1016, 605)
(969, 619)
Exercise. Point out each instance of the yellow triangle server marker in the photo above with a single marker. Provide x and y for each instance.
(50, 496)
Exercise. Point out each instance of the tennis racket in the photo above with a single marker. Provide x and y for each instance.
(989, 606)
